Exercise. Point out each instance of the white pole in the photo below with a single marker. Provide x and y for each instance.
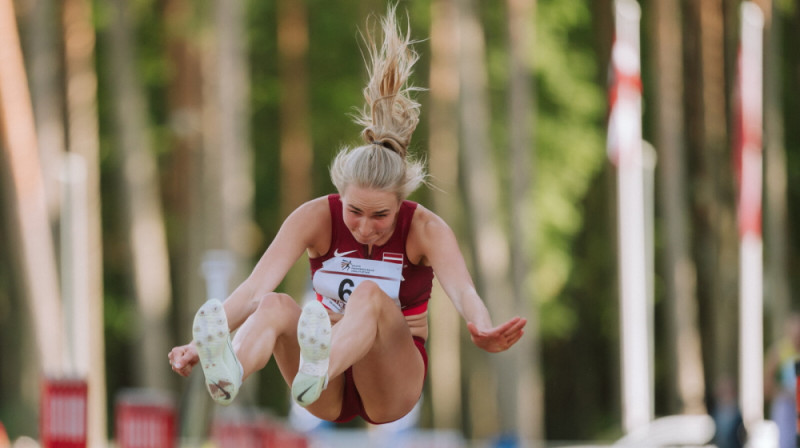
(82, 311)
(751, 252)
(217, 269)
(626, 128)
(649, 162)
(74, 267)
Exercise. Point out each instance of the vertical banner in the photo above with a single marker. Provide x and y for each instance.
(625, 151)
(748, 166)
(62, 413)
(145, 419)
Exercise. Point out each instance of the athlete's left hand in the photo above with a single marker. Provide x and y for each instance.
(499, 338)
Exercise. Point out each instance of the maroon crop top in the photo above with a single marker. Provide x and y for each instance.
(417, 281)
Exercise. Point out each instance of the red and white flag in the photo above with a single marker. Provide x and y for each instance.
(748, 166)
(747, 139)
(624, 100)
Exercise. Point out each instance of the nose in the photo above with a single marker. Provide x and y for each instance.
(364, 227)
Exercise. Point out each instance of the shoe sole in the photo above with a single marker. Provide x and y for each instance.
(314, 337)
(314, 333)
(211, 339)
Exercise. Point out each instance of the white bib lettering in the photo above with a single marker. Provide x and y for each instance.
(339, 277)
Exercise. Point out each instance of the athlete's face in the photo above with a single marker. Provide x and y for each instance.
(370, 214)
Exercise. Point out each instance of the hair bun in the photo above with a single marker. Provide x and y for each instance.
(390, 142)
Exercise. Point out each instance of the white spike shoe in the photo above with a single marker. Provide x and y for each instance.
(212, 340)
(314, 336)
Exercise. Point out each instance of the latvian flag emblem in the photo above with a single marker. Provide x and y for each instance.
(393, 257)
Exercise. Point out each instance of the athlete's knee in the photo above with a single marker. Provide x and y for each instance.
(276, 303)
(367, 287)
(369, 295)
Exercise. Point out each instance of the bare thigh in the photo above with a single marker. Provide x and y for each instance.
(390, 377)
(270, 330)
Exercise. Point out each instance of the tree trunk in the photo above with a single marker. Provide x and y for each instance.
(777, 290)
(445, 359)
(716, 233)
(44, 60)
(83, 139)
(183, 180)
(35, 254)
(521, 27)
(722, 203)
(490, 243)
(226, 143)
(683, 339)
(40, 32)
(142, 198)
(296, 152)
(185, 193)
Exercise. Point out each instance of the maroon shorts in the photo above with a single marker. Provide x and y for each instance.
(352, 406)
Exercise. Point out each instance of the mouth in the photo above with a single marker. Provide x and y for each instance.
(365, 239)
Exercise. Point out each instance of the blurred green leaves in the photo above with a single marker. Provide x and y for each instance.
(570, 148)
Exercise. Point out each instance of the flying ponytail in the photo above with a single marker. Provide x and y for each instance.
(389, 117)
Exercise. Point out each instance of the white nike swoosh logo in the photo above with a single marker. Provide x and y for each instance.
(336, 253)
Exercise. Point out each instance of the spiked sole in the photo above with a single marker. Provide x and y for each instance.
(212, 340)
(314, 337)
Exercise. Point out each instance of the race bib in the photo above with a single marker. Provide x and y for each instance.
(339, 277)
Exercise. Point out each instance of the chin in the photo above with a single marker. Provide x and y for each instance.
(366, 241)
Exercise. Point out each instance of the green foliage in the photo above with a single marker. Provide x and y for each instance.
(264, 105)
(569, 144)
(790, 74)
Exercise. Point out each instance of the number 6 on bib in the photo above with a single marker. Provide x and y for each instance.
(340, 276)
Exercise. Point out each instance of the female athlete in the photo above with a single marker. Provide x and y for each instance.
(359, 349)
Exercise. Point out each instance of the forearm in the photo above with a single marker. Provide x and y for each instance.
(472, 309)
(266, 276)
(240, 305)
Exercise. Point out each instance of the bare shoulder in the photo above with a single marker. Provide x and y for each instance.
(427, 231)
(426, 221)
(312, 222)
(316, 207)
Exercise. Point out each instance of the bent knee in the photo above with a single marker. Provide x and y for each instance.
(277, 303)
(368, 288)
(368, 293)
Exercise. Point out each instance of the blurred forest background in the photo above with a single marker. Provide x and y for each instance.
(196, 126)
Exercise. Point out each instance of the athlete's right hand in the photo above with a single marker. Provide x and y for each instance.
(183, 359)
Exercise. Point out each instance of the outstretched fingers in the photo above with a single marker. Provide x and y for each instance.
(514, 326)
(513, 331)
(499, 338)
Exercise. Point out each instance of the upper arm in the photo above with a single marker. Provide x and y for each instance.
(436, 245)
(307, 228)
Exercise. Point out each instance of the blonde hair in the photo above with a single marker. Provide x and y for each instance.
(389, 117)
